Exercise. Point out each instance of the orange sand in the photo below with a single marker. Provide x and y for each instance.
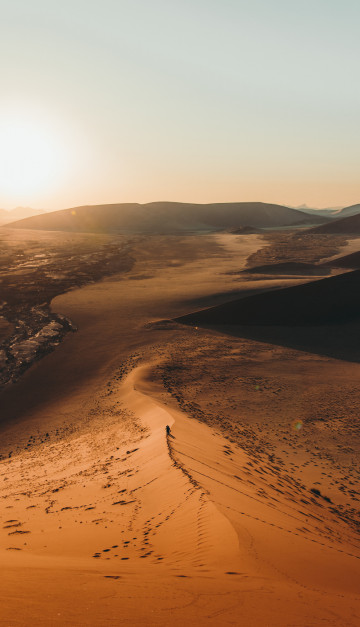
(106, 521)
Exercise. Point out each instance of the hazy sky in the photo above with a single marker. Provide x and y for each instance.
(189, 100)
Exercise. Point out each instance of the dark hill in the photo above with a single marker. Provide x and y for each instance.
(327, 301)
(287, 268)
(245, 230)
(166, 217)
(350, 225)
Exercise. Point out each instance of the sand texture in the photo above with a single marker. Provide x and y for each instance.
(246, 513)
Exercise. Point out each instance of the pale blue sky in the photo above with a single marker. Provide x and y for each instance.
(189, 100)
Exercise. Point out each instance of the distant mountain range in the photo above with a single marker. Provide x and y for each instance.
(168, 217)
(331, 212)
(174, 217)
(18, 213)
(328, 212)
(348, 211)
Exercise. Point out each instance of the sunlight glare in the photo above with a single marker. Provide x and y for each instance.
(32, 157)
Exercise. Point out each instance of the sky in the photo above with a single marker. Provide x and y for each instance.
(184, 100)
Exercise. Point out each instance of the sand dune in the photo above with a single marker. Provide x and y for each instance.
(349, 225)
(331, 300)
(287, 268)
(351, 261)
(166, 217)
(236, 517)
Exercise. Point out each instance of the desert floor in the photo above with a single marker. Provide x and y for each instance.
(246, 514)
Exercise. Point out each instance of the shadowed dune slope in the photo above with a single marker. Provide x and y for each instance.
(348, 261)
(166, 217)
(288, 268)
(349, 225)
(328, 301)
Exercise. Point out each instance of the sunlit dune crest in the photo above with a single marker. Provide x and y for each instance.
(179, 314)
(156, 457)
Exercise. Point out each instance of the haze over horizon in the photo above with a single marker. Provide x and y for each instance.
(193, 102)
(302, 207)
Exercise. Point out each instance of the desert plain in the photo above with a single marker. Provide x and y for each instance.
(247, 511)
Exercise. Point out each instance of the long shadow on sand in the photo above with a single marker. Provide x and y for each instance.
(341, 341)
(321, 317)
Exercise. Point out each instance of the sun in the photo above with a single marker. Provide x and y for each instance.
(31, 155)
